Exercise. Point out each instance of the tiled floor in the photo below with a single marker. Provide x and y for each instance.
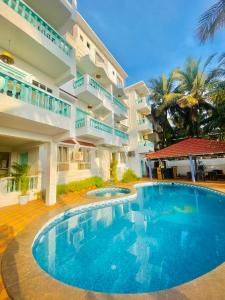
(13, 219)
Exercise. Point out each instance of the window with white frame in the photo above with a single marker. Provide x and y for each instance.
(85, 161)
(122, 157)
(63, 158)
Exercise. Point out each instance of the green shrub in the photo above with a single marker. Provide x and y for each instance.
(61, 189)
(77, 186)
(20, 174)
(129, 176)
(113, 169)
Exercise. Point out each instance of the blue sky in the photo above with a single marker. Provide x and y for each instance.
(150, 37)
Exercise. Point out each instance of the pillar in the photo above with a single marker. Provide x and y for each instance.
(51, 173)
(192, 167)
(150, 169)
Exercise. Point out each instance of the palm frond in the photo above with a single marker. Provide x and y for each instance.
(212, 20)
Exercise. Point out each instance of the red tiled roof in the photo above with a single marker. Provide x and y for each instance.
(78, 142)
(86, 144)
(191, 146)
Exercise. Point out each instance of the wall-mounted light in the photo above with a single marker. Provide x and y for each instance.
(7, 58)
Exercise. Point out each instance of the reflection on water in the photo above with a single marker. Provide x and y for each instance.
(167, 236)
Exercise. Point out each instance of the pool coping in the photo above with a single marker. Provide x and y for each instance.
(91, 197)
(24, 279)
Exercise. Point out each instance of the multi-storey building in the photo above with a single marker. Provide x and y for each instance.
(140, 127)
(64, 109)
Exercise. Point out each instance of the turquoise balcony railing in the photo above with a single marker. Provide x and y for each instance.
(100, 126)
(118, 103)
(141, 100)
(94, 123)
(97, 86)
(121, 134)
(146, 143)
(80, 123)
(142, 121)
(38, 22)
(28, 93)
(79, 82)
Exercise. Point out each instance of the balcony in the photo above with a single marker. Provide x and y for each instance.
(145, 147)
(101, 133)
(93, 93)
(142, 106)
(145, 125)
(25, 106)
(121, 138)
(35, 41)
(62, 18)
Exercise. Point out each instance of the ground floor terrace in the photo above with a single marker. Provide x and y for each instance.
(16, 219)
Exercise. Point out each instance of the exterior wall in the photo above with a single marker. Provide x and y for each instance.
(137, 161)
(82, 50)
(21, 32)
(211, 164)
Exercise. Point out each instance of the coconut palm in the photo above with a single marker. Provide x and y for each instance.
(211, 21)
(164, 97)
(193, 87)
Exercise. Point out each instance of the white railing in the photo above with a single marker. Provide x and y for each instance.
(9, 184)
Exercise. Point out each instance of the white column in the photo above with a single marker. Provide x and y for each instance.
(51, 173)
(192, 167)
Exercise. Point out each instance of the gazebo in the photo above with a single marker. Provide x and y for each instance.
(190, 148)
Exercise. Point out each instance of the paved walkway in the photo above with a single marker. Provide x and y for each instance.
(13, 219)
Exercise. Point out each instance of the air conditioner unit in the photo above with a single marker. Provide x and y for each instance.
(131, 154)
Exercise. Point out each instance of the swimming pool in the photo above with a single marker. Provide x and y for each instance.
(166, 236)
(109, 192)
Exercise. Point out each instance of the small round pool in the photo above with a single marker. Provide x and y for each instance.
(167, 235)
(109, 192)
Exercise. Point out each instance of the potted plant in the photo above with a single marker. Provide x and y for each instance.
(20, 175)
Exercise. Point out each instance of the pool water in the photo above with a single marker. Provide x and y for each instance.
(109, 192)
(167, 236)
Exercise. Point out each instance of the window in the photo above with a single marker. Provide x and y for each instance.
(113, 73)
(41, 86)
(81, 37)
(63, 159)
(99, 58)
(85, 162)
(122, 157)
(88, 45)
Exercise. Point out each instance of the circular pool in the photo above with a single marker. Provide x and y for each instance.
(109, 192)
(167, 235)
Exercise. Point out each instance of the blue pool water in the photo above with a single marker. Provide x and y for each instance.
(109, 192)
(167, 236)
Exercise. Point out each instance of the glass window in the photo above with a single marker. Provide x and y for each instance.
(85, 162)
(122, 157)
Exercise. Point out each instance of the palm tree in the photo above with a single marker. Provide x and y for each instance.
(162, 90)
(193, 87)
(211, 21)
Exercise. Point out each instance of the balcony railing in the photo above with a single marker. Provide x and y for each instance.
(28, 93)
(100, 126)
(121, 134)
(98, 87)
(146, 143)
(141, 101)
(10, 185)
(144, 121)
(38, 22)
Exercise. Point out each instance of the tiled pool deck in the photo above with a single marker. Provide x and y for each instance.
(15, 219)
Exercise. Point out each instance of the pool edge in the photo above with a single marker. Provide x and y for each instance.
(36, 284)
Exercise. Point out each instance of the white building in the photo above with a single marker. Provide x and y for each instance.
(64, 109)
